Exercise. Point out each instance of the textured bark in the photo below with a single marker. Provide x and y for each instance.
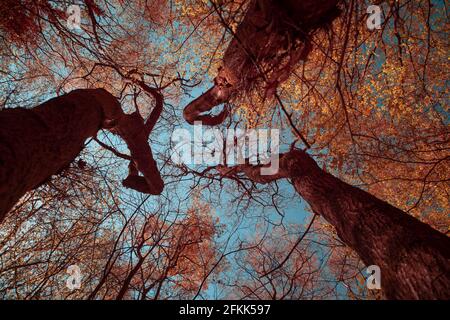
(413, 257)
(267, 45)
(40, 142)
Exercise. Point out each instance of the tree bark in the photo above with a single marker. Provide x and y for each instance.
(413, 257)
(40, 142)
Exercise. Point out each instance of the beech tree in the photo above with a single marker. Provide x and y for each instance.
(380, 233)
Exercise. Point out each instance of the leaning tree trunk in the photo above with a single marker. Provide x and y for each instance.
(269, 42)
(413, 257)
(39, 142)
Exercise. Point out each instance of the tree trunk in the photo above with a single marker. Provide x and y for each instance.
(413, 257)
(40, 142)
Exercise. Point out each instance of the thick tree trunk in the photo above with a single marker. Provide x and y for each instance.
(413, 257)
(40, 142)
